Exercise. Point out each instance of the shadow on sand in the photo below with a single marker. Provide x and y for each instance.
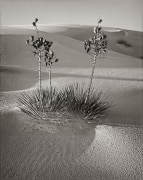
(25, 146)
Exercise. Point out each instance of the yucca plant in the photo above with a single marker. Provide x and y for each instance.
(67, 103)
(74, 100)
(95, 46)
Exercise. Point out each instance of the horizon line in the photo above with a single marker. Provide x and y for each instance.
(70, 25)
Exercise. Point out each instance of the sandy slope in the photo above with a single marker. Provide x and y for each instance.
(134, 38)
(16, 53)
(69, 152)
(33, 150)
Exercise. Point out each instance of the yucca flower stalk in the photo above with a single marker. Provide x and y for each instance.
(49, 59)
(36, 44)
(95, 46)
(42, 50)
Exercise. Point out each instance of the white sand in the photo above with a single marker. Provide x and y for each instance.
(32, 150)
(69, 152)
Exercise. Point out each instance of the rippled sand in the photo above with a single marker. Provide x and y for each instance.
(71, 151)
(36, 150)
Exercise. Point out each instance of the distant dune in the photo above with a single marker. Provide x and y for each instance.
(134, 38)
(69, 51)
(80, 32)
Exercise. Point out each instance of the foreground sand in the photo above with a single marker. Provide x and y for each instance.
(70, 152)
(33, 150)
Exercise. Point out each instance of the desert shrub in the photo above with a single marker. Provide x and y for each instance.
(123, 42)
(77, 104)
(39, 104)
(69, 101)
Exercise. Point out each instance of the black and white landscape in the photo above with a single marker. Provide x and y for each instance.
(110, 150)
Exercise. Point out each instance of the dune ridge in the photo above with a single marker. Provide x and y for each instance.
(82, 32)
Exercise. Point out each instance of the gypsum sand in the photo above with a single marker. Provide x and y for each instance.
(76, 150)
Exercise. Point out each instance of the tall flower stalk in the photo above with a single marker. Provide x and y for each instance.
(49, 59)
(42, 50)
(95, 45)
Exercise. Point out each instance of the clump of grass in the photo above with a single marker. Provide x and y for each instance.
(123, 42)
(70, 101)
(77, 103)
(40, 103)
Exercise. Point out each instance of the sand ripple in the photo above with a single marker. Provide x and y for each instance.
(74, 151)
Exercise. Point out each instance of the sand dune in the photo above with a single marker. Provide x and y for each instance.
(39, 150)
(82, 32)
(17, 78)
(32, 150)
(134, 38)
(15, 52)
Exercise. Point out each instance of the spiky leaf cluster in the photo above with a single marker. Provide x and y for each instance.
(98, 43)
(69, 102)
(42, 47)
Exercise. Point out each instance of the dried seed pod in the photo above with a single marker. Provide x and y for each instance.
(56, 60)
(36, 20)
(99, 21)
(34, 24)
